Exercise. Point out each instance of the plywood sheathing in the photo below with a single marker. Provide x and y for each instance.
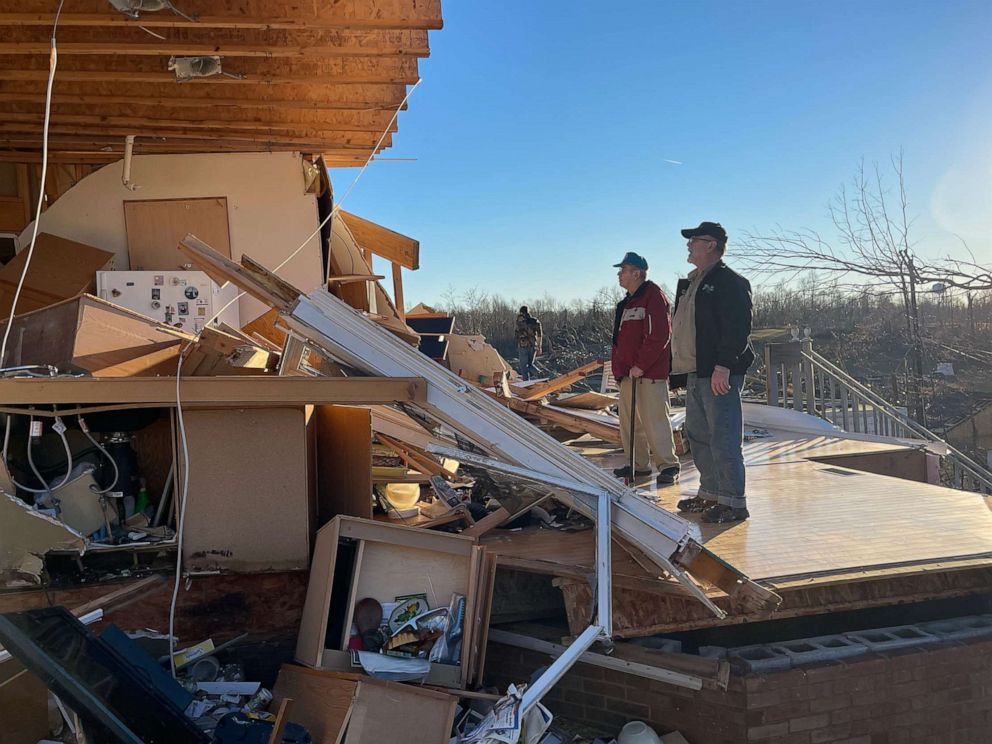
(319, 79)
(253, 517)
(95, 336)
(60, 269)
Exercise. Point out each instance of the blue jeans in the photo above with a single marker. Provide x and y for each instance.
(525, 361)
(714, 426)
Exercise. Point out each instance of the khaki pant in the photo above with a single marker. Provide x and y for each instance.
(653, 427)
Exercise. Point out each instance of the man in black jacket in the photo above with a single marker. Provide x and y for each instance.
(711, 351)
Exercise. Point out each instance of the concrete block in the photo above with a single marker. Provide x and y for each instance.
(760, 658)
(820, 648)
(888, 639)
(713, 652)
(959, 628)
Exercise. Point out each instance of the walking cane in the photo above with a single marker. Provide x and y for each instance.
(633, 420)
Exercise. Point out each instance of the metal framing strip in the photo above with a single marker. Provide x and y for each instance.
(591, 657)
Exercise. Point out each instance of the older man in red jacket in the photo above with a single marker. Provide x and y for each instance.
(642, 333)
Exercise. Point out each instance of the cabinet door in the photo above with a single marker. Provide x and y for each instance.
(154, 229)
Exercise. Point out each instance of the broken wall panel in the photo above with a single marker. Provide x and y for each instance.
(87, 334)
(25, 536)
(390, 712)
(248, 501)
(343, 461)
(59, 269)
(321, 700)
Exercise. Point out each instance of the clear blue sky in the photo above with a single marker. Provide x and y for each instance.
(542, 132)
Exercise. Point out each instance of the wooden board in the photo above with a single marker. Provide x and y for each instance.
(247, 508)
(343, 462)
(156, 392)
(391, 712)
(320, 700)
(60, 269)
(382, 241)
(589, 400)
(155, 227)
(534, 392)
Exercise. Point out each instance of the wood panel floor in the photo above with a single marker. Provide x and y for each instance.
(807, 518)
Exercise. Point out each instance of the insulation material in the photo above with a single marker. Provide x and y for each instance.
(474, 359)
(26, 535)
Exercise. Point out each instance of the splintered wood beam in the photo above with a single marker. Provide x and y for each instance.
(260, 283)
(706, 566)
(534, 392)
(352, 278)
(570, 421)
(212, 391)
(382, 241)
(414, 458)
(398, 299)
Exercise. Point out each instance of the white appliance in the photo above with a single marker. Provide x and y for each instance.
(183, 299)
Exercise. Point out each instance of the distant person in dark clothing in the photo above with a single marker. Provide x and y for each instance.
(529, 337)
(641, 337)
(711, 351)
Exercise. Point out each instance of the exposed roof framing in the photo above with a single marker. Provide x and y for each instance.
(318, 78)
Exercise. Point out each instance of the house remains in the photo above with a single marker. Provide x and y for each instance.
(247, 495)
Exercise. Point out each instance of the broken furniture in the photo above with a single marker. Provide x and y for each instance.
(85, 334)
(60, 269)
(358, 558)
(344, 707)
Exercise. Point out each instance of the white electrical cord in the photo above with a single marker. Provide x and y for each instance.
(60, 429)
(181, 505)
(183, 493)
(53, 59)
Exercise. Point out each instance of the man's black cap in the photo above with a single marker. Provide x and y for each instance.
(713, 229)
(632, 259)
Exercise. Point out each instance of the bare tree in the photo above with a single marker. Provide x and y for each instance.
(872, 248)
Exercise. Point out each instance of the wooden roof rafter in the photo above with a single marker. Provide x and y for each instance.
(240, 14)
(317, 79)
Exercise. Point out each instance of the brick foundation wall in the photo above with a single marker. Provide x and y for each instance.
(606, 700)
(935, 693)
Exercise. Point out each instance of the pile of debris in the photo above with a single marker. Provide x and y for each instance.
(391, 446)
